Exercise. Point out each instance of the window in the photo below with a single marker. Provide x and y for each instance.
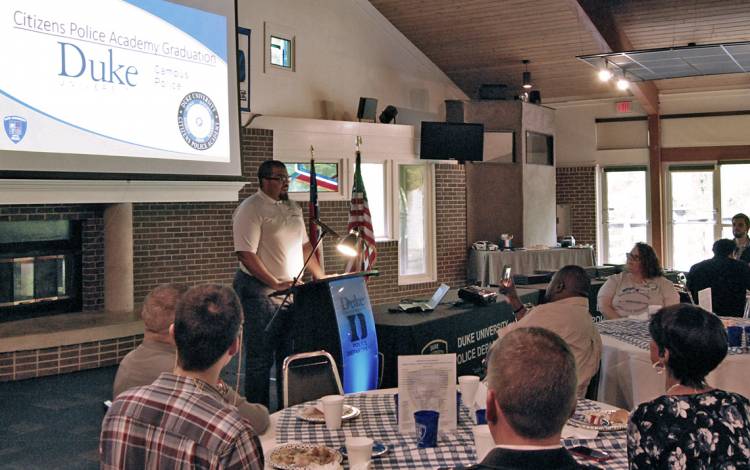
(281, 52)
(373, 175)
(625, 207)
(691, 211)
(415, 223)
(539, 149)
(735, 194)
(326, 174)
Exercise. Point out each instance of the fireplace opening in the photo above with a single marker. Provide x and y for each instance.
(40, 268)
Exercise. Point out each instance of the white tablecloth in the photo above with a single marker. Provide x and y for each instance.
(378, 421)
(627, 378)
(486, 266)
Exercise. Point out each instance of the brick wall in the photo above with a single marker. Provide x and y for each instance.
(192, 242)
(576, 187)
(92, 241)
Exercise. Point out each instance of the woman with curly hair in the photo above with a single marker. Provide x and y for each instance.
(640, 285)
(692, 425)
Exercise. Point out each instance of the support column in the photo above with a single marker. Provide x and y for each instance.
(118, 258)
(656, 184)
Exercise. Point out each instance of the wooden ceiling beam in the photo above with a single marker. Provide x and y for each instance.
(596, 17)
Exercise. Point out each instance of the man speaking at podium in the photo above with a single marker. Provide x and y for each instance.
(271, 244)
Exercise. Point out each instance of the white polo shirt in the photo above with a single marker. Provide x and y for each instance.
(273, 230)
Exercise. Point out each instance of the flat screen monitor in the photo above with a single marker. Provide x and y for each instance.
(452, 141)
(119, 86)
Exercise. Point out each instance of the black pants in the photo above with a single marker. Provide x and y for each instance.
(260, 348)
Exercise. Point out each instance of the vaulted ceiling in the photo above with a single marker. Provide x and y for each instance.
(484, 41)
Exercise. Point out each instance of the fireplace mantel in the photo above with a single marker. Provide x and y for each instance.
(55, 191)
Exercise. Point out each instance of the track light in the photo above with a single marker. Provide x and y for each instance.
(605, 75)
(526, 75)
(623, 84)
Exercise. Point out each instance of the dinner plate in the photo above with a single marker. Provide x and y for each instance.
(581, 420)
(298, 456)
(378, 449)
(312, 414)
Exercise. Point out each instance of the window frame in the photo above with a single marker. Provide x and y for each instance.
(430, 274)
(604, 213)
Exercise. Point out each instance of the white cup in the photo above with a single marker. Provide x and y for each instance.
(359, 450)
(468, 384)
(483, 441)
(333, 408)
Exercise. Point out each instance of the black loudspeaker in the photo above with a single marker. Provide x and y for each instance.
(367, 109)
(492, 92)
(535, 96)
(454, 111)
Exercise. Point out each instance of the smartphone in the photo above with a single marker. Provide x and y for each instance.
(589, 453)
(506, 272)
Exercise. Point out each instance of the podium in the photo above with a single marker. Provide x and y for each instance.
(335, 314)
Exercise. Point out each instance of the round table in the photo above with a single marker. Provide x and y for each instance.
(627, 378)
(378, 422)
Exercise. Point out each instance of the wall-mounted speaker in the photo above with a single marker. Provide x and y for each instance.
(454, 111)
(367, 109)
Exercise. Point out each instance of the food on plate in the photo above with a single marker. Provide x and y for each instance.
(302, 455)
(607, 417)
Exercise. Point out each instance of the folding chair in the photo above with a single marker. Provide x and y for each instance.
(309, 376)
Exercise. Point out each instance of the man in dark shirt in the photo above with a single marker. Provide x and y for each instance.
(740, 226)
(727, 278)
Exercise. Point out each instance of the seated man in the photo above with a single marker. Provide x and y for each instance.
(566, 313)
(157, 354)
(727, 278)
(182, 419)
(531, 381)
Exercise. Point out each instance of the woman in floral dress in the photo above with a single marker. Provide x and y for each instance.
(692, 426)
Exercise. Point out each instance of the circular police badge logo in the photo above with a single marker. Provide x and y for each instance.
(198, 120)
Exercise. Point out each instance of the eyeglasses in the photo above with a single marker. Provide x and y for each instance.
(277, 178)
(632, 257)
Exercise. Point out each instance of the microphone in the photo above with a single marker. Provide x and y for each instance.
(325, 227)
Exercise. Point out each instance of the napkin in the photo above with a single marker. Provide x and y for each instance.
(572, 432)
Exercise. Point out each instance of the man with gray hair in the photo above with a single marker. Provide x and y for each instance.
(157, 353)
(531, 381)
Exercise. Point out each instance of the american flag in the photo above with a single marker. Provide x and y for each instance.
(314, 208)
(361, 221)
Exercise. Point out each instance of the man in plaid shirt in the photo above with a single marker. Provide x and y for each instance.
(182, 420)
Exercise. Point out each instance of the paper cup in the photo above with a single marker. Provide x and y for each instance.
(483, 442)
(358, 449)
(333, 408)
(426, 424)
(468, 385)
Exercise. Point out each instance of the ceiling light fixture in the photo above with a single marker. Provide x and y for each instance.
(623, 83)
(604, 73)
(526, 75)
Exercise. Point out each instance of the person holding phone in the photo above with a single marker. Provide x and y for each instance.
(693, 425)
(565, 312)
(531, 381)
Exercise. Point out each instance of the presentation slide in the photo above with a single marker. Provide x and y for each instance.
(141, 79)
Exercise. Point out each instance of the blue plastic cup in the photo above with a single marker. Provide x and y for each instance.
(734, 333)
(426, 424)
(458, 407)
(395, 400)
(481, 416)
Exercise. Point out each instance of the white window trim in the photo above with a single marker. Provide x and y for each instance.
(388, 191)
(668, 260)
(604, 216)
(430, 274)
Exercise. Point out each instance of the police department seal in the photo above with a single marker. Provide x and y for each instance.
(198, 120)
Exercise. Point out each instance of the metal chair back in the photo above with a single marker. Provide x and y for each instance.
(308, 376)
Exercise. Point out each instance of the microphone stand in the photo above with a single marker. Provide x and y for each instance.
(273, 324)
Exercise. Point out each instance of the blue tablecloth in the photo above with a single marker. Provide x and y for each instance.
(378, 421)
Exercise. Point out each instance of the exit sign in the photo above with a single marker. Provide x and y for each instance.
(623, 106)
